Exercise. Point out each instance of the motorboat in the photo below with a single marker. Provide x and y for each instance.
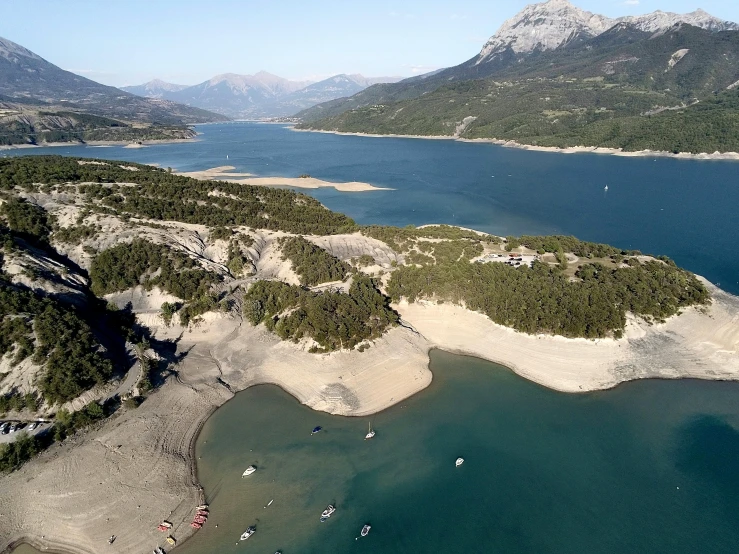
(330, 509)
(248, 471)
(459, 462)
(365, 530)
(370, 433)
(316, 429)
(111, 539)
(248, 533)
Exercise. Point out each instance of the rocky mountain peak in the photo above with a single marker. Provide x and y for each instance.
(555, 23)
(544, 26)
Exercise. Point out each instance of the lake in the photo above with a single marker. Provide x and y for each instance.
(651, 466)
(684, 209)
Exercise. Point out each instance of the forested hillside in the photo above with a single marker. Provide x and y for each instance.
(675, 91)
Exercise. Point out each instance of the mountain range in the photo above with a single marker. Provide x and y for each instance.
(262, 95)
(27, 77)
(555, 75)
(40, 102)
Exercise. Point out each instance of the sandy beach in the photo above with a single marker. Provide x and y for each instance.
(719, 156)
(225, 173)
(129, 473)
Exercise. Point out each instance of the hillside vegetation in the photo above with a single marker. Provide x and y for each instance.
(623, 89)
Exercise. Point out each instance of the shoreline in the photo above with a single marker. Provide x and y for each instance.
(98, 143)
(139, 467)
(716, 156)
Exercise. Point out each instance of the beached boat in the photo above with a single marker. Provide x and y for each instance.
(248, 471)
(316, 429)
(330, 509)
(370, 433)
(459, 462)
(365, 530)
(248, 533)
(111, 540)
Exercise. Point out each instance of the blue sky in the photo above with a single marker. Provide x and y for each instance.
(121, 42)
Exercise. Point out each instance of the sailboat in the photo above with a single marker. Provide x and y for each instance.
(370, 433)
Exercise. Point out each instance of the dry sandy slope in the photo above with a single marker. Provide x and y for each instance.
(701, 343)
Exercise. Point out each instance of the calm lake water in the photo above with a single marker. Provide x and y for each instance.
(651, 466)
(685, 209)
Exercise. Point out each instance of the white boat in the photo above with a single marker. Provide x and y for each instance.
(459, 462)
(605, 188)
(248, 533)
(370, 433)
(248, 471)
(365, 530)
(327, 512)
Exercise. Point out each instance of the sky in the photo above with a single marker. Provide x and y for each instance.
(129, 42)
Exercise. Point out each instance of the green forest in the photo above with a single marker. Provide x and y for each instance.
(312, 264)
(333, 319)
(542, 299)
(164, 196)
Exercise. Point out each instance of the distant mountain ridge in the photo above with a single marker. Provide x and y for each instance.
(555, 25)
(261, 95)
(154, 89)
(27, 77)
(553, 77)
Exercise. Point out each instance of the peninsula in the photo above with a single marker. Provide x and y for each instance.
(170, 294)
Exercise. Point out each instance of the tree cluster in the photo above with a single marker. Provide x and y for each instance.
(334, 320)
(542, 299)
(312, 263)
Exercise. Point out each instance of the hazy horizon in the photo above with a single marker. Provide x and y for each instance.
(189, 41)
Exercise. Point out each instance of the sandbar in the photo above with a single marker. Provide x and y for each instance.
(225, 173)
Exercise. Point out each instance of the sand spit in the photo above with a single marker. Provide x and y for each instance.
(136, 469)
(224, 173)
(722, 156)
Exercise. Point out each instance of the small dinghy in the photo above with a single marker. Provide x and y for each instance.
(365, 530)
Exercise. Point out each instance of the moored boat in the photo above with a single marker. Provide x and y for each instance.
(248, 471)
(370, 433)
(459, 462)
(248, 533)
(365, 530)
(316, 429)
(330, 509)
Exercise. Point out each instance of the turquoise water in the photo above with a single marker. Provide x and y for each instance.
(651, 466)
(682, 208)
